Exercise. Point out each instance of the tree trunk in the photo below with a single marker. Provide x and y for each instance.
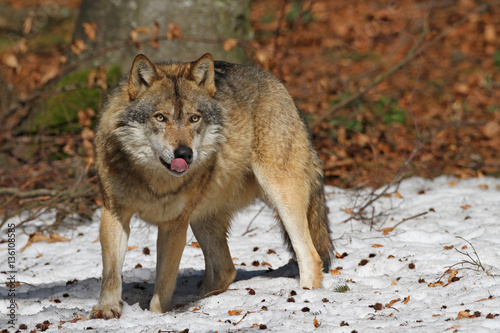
(204, 25)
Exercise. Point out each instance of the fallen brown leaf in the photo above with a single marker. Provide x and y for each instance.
(340, 256)
(37, 237)
(463, 314)
(453, 327)
(12, 284)
(348, 211)
(386, 231)
(316, 323)
(452, 273)
(234, 312)
(55, 238)
(363, 262)
(491, 129)
(11, 61)
(391, 303)
(490, 33)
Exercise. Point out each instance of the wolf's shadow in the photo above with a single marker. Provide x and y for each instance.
(188, 281)
(137, 291)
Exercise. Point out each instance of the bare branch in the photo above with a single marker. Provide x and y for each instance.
(11, 191)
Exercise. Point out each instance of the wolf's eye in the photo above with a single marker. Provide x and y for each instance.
(161, 118)
(194, 118)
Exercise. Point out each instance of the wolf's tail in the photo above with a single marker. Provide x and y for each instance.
(319, 226)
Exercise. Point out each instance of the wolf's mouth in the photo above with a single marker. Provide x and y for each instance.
(172, 171)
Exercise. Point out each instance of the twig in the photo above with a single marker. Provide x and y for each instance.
(239, 321)
(409, 218)
(253, 219)
(475, 262)
(412, 54)
(372, 199)
(389, 229)
(62, 201)
(27, 194)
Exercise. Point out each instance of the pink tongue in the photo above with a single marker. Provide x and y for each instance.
(179, 165)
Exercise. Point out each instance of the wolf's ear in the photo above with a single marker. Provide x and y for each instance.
(142, 75)
(202, 72)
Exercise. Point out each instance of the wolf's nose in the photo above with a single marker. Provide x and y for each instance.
(185, 153)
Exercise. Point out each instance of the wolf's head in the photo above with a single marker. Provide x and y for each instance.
(170, 117)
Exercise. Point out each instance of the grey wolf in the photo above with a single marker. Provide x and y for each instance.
(191, 144)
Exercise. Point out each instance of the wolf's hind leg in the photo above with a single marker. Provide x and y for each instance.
(288, 193)
(211, 234)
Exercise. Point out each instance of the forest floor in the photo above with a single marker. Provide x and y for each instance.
(432, 268)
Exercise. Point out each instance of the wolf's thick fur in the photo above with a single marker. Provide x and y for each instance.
(191, 144)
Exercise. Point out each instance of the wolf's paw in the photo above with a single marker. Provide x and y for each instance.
(206, 291)
(311, 279)
(311, 283)
(159, 305)
(107, 311)
(218, 283)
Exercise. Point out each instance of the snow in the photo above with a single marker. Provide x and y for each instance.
(60, 280)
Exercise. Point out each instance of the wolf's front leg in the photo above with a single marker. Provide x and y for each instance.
(170, 245)
(114, 233)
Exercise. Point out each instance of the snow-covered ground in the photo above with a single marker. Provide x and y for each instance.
(379, 282)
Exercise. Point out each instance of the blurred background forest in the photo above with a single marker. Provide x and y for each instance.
(390, 89)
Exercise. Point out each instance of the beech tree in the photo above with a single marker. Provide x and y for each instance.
(114, 31)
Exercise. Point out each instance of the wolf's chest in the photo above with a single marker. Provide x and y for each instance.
(160, 210)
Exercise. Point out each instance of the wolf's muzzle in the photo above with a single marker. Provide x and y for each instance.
(180, 165)
(185, 153)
